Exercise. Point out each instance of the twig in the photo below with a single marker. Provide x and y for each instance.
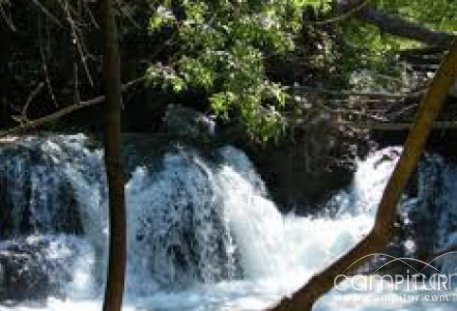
(352, 112)
(92, 17)
(77, 41)
(402, 111)
(30, 124)
(30, 98)
(45, 66)
(127, 14)
(77, 97)
(363, 94)
(7, 20)
(401, 126)
(47, 13)
(365, 101)
(341, 17)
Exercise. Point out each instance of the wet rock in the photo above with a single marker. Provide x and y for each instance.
(36, 267)
(185, 122)
(306, 170)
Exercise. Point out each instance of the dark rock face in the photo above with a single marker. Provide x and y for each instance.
(306, 170)
(433, 217)
(295, 186)
(23, 277)
(36, 267)
(188, 123)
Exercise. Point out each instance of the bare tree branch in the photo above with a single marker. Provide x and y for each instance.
(343, 16)
(395, 25)
(362, 94)
(45, 65)
(77, 40)
(7, 19)
(30, 98)
(398, 126)
(46, 12)
(31, 124)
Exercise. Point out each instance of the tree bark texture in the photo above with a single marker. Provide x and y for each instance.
(117, 214)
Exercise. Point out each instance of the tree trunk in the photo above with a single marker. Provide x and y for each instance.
(395, 25)
(376, 241)
(117, 241)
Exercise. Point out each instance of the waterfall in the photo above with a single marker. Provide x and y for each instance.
(433, 212)
(178, 231)
(203, 233)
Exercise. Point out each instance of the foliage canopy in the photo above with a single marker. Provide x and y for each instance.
(222, 49)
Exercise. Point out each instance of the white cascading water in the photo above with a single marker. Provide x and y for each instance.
(202, 232)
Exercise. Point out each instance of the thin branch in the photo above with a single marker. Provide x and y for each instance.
(45, 66)
(47, 13)
(77, 96)
(30, 98)
(342, 16)
(352, 112)
(399, 126)
(362, 94)
(122, 10)
(403, 111)
(7, 20)
(77, 41)
(31, 124)
(92, 17)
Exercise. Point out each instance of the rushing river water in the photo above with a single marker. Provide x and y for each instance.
(202, 232)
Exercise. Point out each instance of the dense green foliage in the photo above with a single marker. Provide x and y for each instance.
(239, 60)
(222, 49)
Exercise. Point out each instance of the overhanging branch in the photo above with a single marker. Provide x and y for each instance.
(395, 25)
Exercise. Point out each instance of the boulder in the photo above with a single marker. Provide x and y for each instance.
(37, 267)
(188, 123)
(308, 169)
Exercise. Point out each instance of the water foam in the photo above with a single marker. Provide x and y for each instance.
(203, 233)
